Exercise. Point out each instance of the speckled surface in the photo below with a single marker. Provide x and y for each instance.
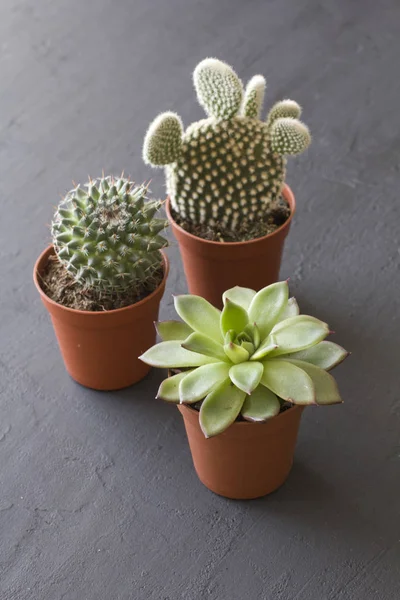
(98, 496)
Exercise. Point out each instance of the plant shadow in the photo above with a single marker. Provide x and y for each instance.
(308, 504)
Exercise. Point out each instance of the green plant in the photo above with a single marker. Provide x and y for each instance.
(230, 167)
(106, 236)
(248, 359)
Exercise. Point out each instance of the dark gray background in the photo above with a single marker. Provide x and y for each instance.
(99, 499)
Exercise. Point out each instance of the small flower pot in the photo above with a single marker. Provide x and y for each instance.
(248, 460)
(213, 267)
(101, 349)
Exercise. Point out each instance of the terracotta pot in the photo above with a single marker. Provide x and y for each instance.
(248, 460)
(213, 267)
(101, 349)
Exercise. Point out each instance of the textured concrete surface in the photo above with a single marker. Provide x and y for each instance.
(98, 496)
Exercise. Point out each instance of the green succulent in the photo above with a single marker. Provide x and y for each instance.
(107, 236)
(230, 167)
(248, 359)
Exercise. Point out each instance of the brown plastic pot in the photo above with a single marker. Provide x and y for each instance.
(213, 267)
(101, 349)
(248, 460)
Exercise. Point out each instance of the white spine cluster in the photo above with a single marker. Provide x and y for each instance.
(219, 90)
(282, 109)
(289, 136)
(254, 97)
(163, 141)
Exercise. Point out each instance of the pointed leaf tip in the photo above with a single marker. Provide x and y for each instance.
(297, 333)
(267, 305)
(172, 330)
(288, 381)
(221, 408)
(261, 405)
(169, 388)
(202, 381)
(326, 355)
(197, 342)
(170, 354)
(326, 389)
(233, 317)
(200, 315)
(239, 295)
(246, 375)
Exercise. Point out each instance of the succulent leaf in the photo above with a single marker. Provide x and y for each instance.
(170, 355)
(218, 88)
(163, 141)
(267, 305)
(230, 336)
(254, 97)
(266, 348)
(240, 295)
(326, 389)
(220, 408)
(289, 136)
(288, 381)
(254, 333)
(261, 405)
(201, 381)
(236, 354)
(197, 342)
(248, 346)
(325, 355)
(233, 317)
(291, 310)
(297, 333)
(200, 315)
(246, 376)
(173, 330)
(169, 388)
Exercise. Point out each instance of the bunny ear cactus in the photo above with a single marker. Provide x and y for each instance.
(107, 236)
(230, 167)
(247, 359)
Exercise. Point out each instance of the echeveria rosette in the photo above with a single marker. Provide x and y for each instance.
(248, 359)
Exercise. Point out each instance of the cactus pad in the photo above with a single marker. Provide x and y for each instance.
(227, 169)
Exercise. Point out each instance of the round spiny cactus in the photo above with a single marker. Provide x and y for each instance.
(106, 236)
(228, 168)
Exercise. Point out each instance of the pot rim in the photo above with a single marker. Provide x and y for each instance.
(287, 193)
(94, 314)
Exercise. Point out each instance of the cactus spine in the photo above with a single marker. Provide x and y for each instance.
(106, 235)
(230, 167)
